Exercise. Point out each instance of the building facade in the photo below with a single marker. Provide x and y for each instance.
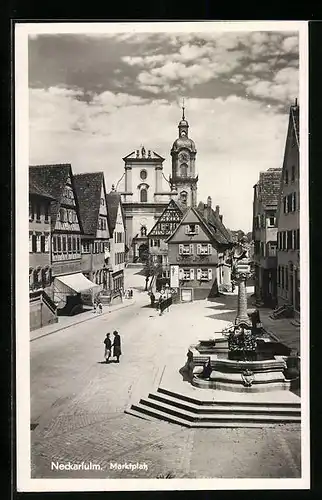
(95, 242)
(192, 251)
(143, 197)
(223, 241)
(42, 309)
(160, 232)
(117, 241)
(265, 201)
(288, 220)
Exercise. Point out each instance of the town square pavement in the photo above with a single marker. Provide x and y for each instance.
(78, 402)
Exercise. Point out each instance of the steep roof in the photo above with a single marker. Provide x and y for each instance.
(113, 200)
(220, 233)
(52, 179)
(180, 207)
(37, 190)
(88, 189)
(269, 187)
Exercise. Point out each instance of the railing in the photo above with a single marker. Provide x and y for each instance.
(49, 302)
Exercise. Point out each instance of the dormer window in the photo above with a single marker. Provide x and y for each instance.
(192, 229)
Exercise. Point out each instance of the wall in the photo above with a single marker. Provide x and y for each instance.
(67, 267)
(117, 247)
(40, 315)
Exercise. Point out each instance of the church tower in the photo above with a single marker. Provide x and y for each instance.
(184, 180)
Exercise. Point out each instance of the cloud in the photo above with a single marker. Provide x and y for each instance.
(283, 87)
(235, 139)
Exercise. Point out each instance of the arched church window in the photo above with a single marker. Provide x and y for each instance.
(184, 170)
(143, 195)
(143, 231)
(143, 174)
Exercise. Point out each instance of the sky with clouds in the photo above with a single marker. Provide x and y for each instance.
(95, 98)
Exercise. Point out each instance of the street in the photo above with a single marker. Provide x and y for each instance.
(78, 402)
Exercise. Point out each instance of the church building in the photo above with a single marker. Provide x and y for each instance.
(146, 192)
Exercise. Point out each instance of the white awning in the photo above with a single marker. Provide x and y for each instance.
(76, 282)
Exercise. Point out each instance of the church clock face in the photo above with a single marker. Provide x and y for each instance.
(183, 156)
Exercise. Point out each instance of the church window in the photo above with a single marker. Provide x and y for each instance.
(143, 231)
(184, 170)
(143, 195)
(143, 174)
(183, 196)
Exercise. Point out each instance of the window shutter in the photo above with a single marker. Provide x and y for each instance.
(294, 201)
(198, 274)
(198, 249)
(30, 242)
(209, 249)
(38, 244)
(180, 273)
(42, 244)
(191, 248)
(180, 249)
(210, 274)
(186, 229)
(192, 274)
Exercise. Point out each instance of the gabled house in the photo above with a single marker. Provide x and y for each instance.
(95, 242)
(223, 242)
(42, 309)
(266, 193)
(66, 230)
(193, 255)
(116, 218)
(160, 232)
(288, 220)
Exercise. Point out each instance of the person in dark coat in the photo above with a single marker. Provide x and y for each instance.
(152, 298)
(108, 348)
(117, 346)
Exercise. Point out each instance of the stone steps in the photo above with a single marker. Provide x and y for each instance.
(187, 411)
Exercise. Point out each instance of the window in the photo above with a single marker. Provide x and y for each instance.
(203, 249)
(293, 174)
(85, 246)
(282, 277)
(62, 215)
(54, 244)
(64, 242)
(78, 244)
(155, 243)
(58, 243)
(286, 176)
(186, 249)
(186, 274)
(74, 244)
(69, 244)
(279, 275)
(183, 170)
(143, 195)
(290, 202)
(271, 221)
(285, 205)
(30, 242)
(143, 175)
(271, 249)
(38, 211)
(192, 229)
(204, 274)
(102, 202)
(289, 240)
(143, 231)
(294, 202)
(38, 248)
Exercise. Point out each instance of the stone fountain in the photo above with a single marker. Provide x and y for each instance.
(240, 358)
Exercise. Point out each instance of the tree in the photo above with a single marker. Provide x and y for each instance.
(150, 270)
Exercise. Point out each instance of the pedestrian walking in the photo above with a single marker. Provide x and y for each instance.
(95, 306)
(108, 348)
(117, 346)
(100, 307)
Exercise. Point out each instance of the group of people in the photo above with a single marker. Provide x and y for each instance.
(116, 347)
(129, 294)
(164, 301)
(98, 305)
